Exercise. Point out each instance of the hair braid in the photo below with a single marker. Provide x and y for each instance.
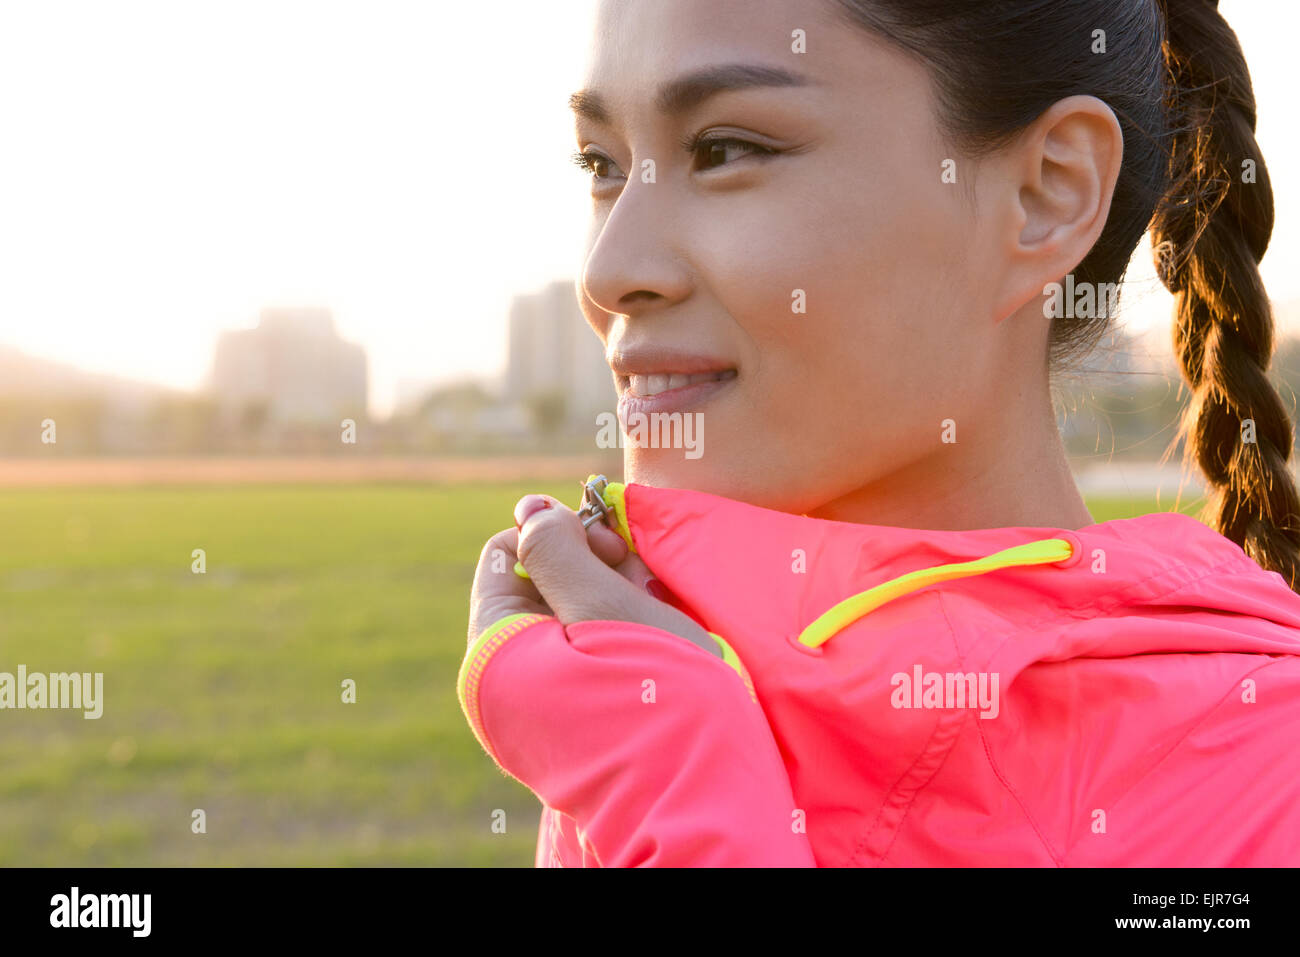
(1210, 231)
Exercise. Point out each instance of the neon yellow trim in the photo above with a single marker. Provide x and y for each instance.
(851, 609)
(520, 571)
(615, 500)
(476, 658)
(728, 653)
(730, 657)
(477, 646)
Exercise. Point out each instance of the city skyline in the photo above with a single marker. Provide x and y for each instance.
(303, 155)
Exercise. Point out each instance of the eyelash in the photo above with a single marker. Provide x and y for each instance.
(690, 144)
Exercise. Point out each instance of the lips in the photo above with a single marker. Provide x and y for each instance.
(688, 398)
(655, 378)
(641, 385)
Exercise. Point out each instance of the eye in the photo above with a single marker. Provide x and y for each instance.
(597, 164)
(712, 152)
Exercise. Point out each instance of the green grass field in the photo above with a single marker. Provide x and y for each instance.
(222, 690)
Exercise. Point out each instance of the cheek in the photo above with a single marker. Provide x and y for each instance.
(843, 292)
(895, 245)
(864, 376)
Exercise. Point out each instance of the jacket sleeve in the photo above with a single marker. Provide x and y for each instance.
(658, 751)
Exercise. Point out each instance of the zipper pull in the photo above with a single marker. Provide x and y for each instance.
(593, 507)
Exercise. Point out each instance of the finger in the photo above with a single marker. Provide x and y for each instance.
(606, 544)
(580, 587)
(497, 591)
(639, 574)
(552, 547)
(495, 572)
(634, 570)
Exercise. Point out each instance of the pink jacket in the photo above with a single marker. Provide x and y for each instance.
(1127, 694)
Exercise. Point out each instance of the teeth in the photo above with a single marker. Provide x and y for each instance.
(648, 385)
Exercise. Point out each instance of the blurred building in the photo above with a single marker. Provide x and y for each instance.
(555, 353)
(294, 366)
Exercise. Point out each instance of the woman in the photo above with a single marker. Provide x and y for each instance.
(838, 232)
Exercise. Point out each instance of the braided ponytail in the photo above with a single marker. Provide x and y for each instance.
(1210, 231)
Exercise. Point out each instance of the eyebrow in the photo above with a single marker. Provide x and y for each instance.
(691, 89)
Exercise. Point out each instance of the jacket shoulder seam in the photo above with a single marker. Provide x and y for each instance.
(1107, 603)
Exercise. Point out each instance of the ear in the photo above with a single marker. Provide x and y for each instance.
(1060, 177)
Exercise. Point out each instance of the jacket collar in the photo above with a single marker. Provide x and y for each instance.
(740, 566)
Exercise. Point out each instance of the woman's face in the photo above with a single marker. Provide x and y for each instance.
(824, 190)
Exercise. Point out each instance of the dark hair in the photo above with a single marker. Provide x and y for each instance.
(1173, 73)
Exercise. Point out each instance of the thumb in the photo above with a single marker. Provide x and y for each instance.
(551, 542)
(555, 551)
(578, 586)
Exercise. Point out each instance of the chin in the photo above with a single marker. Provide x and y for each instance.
(669, 468)
(715, 474)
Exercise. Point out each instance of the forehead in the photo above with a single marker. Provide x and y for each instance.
(639, 45)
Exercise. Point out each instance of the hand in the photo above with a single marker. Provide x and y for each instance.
(575, 574)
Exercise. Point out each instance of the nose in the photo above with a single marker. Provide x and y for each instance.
(638, 262)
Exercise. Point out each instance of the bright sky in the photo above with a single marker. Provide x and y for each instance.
(171, 168)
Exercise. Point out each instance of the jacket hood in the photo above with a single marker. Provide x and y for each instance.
(742, 568)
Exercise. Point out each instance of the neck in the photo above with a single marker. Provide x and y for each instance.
(1008, 471)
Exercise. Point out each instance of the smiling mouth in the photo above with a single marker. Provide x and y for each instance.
(644, 386)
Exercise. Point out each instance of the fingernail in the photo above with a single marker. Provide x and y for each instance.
(529, 505)
(658, 589)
